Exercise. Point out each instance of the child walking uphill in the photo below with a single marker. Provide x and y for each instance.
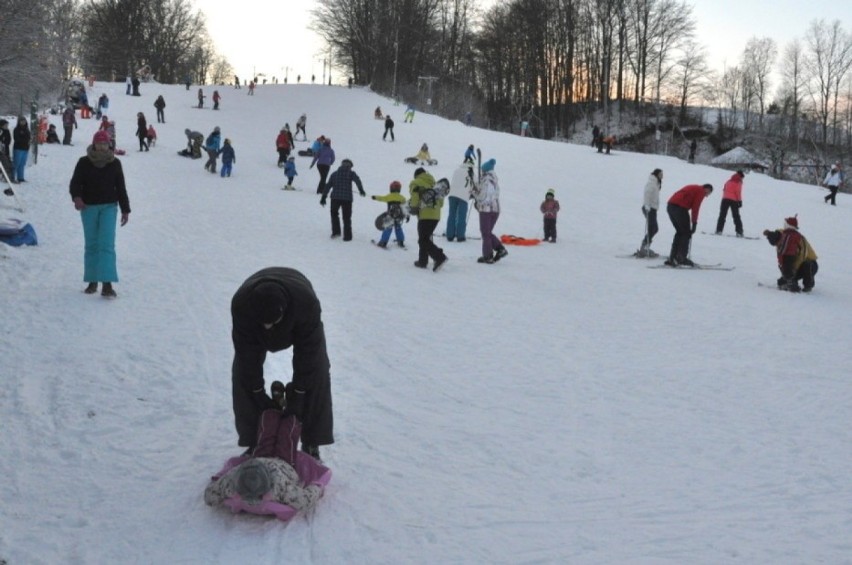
(395, 201)
(290, 173)
(228, 158)
(550, 207)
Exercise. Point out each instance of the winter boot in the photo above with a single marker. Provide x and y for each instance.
(500, 253)
(91, 289)
(486, 260)
(439, 263)
(107, 291)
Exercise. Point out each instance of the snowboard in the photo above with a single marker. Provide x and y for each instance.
(415, 161)
(636, 255)
(774, 286)
(383, 221)
(388, 246)
(430, 196)
(696, 267)
(730, 235)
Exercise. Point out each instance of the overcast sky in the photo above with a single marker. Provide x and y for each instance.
(273, 37)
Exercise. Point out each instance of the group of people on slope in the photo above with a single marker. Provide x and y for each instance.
(796, 257)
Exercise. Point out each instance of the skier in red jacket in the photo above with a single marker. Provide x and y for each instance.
(683, 206)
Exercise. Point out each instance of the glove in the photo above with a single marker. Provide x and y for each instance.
(363, 194)
(278, 393)
(694, 227)
(740, 204)
(79, 204)
(312, 166)
(322, 201)
(373, 197)
(263, 400)
(765, 232)
(295, 398)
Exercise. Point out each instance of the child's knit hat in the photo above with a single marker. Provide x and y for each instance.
(550, 193)
(395, 186)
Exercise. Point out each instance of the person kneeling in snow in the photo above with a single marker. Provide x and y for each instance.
(797, 260)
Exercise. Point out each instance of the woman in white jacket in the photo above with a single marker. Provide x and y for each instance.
(832, 181)
(650, 205)
(487, 197)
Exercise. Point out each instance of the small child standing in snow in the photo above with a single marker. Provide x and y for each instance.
(228, 158)
(550, 207)
(151, 135)
(290, 172)
(395, 201)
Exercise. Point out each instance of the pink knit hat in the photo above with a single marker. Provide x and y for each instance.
(101, 137)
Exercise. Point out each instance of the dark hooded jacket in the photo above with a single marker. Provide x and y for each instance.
(301, 328)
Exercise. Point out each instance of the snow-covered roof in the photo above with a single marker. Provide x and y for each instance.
(735, 156)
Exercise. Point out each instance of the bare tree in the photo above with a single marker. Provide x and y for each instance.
(690, 71)
(757, 62)
(28, 65)
(829, 58)
(792, 77)
(120, 36)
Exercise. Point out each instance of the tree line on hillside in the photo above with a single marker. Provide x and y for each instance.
(45, 42)
(556, 63)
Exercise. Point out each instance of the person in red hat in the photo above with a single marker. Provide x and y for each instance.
(98, 191)
(683, 205)
(797, 260)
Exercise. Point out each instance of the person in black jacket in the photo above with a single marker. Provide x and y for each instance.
(160, 105)
(388, 128)
(142, 131)
(21, 138)
(97, 189)
(275, 309)
(340, 186)
(5, 155)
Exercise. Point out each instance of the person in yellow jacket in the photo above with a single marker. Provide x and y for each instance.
(396, 210)
(797, 260)
(423, 202)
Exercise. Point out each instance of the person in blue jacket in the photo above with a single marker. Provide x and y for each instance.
(229, 157)
(212, 145)
(290, 172)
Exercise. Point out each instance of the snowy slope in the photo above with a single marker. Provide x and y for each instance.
(561, 406)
